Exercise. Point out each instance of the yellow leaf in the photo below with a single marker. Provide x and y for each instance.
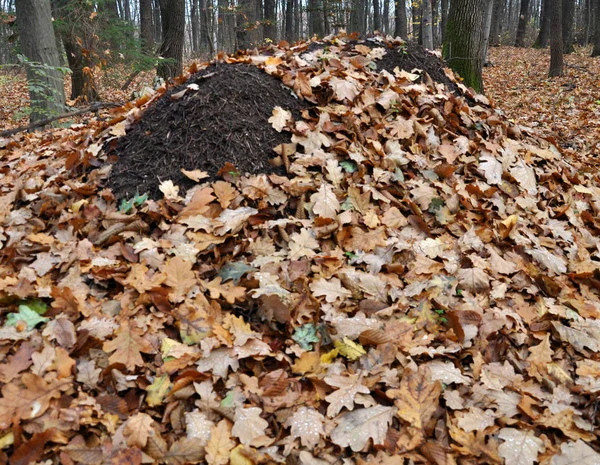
(307, 363)
(158, 390)
(238, 458)
(329, 357)
(350, 350)
(220, 444)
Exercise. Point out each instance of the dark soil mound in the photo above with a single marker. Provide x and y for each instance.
(225, 120)
(407, 56)
(412, 55)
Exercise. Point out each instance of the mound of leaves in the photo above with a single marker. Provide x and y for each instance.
(220, 115)
(420, 287)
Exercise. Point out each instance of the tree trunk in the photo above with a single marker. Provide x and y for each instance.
(38, 44)
(427, 25)
(195, 23)
(386, 16)
(556, 43)
(596, 36)
(416, 21)
(487, 26)
(156, 22)
(400, 29)
(542, 39)
(568, 19)
(206, 43)
(173, 33)
(289, 21)
(376, 16)
(444, 19)
(523, 20)
(496, 21)
(76, 39)
(146, 34)
(270, 25)
(464, 40)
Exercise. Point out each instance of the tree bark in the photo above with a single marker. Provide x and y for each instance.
(427, 25)
(289, 20)
(523, 20)
(270, 22)
(542, 38)
(556, 43)
(173, 33)
(487, 26)
(386, 17)
(400, 26)
(444, 19)
(596, 36)
(195, 23)
(38, 44)
(156, 22)
(464, 40)
(568, 19)
(206, 43)
(146, 34)
(376, 16)
(496, 23)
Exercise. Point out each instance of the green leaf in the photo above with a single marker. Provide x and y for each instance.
(27, 315)
(234, 271)
(37, 305)
(140, 199)
(306, 336)
(349, 166)
(126, 206)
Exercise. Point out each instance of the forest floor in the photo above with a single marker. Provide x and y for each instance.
(420, 285)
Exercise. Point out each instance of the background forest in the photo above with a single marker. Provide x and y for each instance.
(95, 36)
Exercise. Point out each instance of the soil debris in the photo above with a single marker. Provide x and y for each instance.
(222, 117)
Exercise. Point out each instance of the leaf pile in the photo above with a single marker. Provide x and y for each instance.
(422, 287)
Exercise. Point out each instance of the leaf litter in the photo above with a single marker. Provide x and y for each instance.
(420, 286)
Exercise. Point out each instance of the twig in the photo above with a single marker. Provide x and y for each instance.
(44, 122)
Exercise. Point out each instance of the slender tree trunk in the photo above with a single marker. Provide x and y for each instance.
(376, 16)
(206, 43)
(38, 44)
(427, 25)
(417, 21)
(173, 32)
(596, 36)
(386, 16)
(156, 22)
(568, 19)
(195, 23)
(542, 39)
(270, 28)
(444, 21)
(289, 20)
(316, 18)
(523, 20)
(464, 40)
(487, 25)
(146, 34)
(435, 22)
(297, 20)
(495, 23)
(400, 25)
(556, 43)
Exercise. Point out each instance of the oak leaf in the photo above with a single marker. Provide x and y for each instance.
(249, 427)
(348, 386)
(307, 424)
(29, 400)
(180, 277)
(356, 428)
(325, 202)
(520, 447)
(128, 346)
(332, 290)
(220, 444)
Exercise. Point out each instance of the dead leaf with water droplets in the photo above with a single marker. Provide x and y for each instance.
(349, 386)
(325, 202)
(520, 447)
(307, 424)
(356, 428)
(220, 444)
(249, 427)
(576, 453)
(332, 290)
